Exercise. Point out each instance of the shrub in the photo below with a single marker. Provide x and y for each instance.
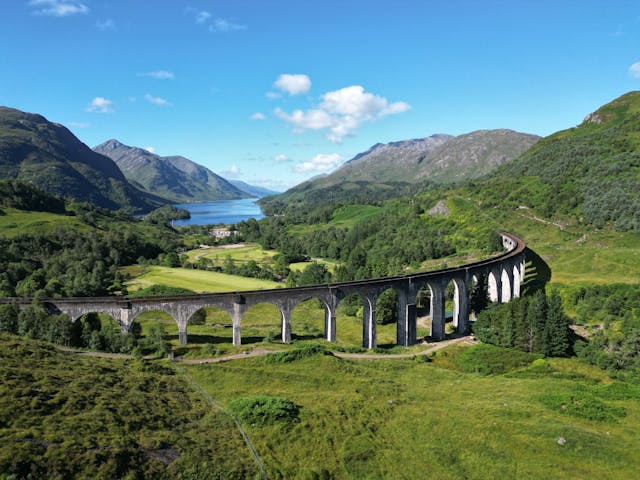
(264, 410)
(490, 360)
(303, 351)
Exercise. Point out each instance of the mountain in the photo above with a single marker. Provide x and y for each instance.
(252, 190)
(398, 168)
(46, 154)
(589, 173)
(440, 158)
(175, 178)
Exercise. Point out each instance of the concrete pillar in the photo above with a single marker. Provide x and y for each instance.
(461, 305)
(406, 325)
(369, 321)
(437, 311)
(329, 323)
(182, 333)
(285, 311)
(126, 320)
(236, 319)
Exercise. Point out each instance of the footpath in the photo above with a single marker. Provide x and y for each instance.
(260, 352)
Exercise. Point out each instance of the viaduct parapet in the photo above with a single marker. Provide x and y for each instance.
(504, 274)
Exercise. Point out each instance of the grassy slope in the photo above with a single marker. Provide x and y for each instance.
(20, 222)
(66, 416)
(199, 281)
(403, 419)
(249, 251)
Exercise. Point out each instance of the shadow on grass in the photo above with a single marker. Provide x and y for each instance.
(317, 336)
(538, 273)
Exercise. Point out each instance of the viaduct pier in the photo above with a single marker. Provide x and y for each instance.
(504, 274)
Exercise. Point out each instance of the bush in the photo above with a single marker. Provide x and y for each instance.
(490, 360)
(303, 351)
(264, 410)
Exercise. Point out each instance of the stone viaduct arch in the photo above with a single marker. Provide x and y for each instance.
(504, 273)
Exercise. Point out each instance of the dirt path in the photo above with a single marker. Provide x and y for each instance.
(538, 219)
(261, 352)
(434, 347)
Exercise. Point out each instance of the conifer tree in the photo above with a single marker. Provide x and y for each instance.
(536, 320)
(479, 298)
(557, 332)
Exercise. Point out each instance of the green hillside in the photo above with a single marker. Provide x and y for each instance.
(67, 416)
(174, 178)
(589, 174)
(37, 151)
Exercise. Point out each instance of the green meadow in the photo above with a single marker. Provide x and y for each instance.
(238, 253)
(361, 419)
(15, 222)
(200, 281)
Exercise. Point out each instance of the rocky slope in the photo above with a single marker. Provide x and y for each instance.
(175, 178)
(440, 158)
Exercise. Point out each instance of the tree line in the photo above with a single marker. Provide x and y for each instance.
(535, 324)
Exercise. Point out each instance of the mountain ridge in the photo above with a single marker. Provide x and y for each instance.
(174, 177)
(47, 154)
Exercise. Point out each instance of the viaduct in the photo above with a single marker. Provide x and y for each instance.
(504, 274)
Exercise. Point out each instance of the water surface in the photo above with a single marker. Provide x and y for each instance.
(220, 211)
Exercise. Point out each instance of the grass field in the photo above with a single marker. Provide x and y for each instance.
(238, 253)
(22, 222)
(199, 281)
(409, 420)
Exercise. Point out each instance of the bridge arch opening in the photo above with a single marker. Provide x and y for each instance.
(517, 281)
(158, 331)
(492, 286)
(423, 313)
(208, 329)
(386, 318)
(308, 320)
(350, 313)
(100, 331)
(261, 322)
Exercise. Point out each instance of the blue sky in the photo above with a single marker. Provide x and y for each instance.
(275, 92)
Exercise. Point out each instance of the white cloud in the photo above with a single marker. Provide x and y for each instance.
(105, 25)
(258, 116)
(221, 25)
(100, 105)
(634, 70)
(159, 75)
(341, 112)
(281, 158)
(150, 149)
(300, 120)
(213, 23)
(202, 16)
(293, 84)
(233, 172)
(79, 124)
(323, 162)
(273, 95)
(58, 8)
(161, 102)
